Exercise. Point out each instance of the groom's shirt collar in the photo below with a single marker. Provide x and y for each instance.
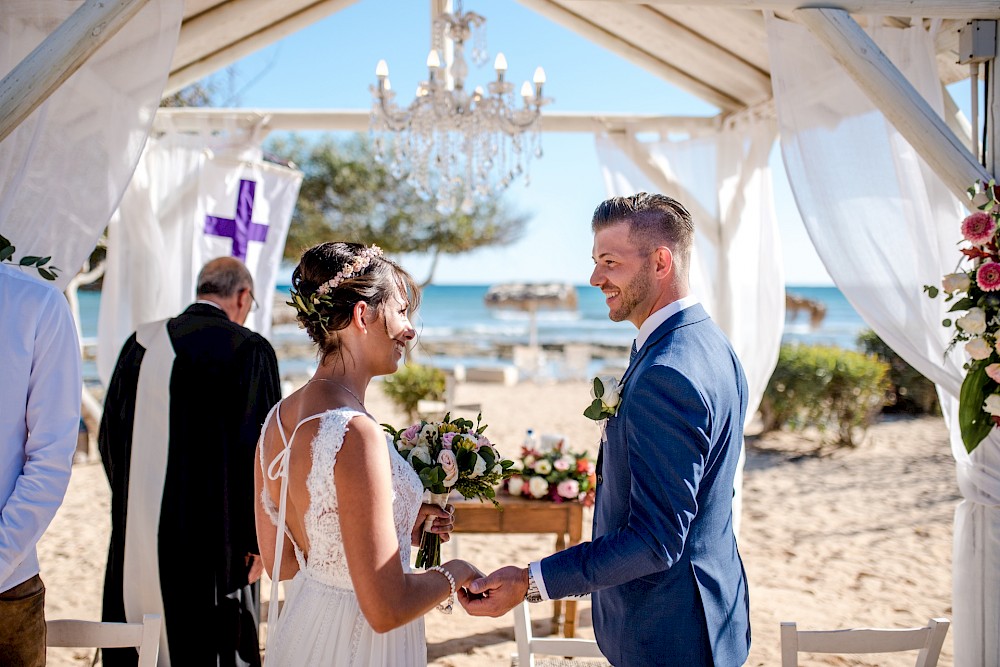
(661, 316)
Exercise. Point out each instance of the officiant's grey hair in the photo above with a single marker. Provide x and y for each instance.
(224, 276)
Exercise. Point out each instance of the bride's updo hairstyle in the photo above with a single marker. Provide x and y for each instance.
(332, 277)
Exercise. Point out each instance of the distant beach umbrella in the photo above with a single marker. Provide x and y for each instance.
(530, 298)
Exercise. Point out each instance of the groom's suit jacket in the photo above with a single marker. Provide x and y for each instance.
(667, 580)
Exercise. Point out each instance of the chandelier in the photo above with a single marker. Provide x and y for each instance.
(453, 145)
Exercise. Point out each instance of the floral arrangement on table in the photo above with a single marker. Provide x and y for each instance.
(558, 475)
(975, 289)
(450, 455)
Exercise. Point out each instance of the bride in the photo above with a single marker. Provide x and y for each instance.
(348, 504)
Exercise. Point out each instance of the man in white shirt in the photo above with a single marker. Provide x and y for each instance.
(39, 423)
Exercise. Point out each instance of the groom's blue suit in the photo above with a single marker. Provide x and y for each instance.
(667, 581)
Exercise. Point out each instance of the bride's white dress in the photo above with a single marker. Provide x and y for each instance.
(320, 622)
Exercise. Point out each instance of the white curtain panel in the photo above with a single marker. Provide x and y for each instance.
(159, 238)
(884, 226)
(63, 169)
(725, 182)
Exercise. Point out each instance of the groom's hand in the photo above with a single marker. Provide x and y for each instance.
(496, 594)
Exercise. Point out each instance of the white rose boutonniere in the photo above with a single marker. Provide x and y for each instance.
(606, 392)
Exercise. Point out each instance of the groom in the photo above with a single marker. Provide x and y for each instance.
(667, 581)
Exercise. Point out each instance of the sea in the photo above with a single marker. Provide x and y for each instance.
(459, 314)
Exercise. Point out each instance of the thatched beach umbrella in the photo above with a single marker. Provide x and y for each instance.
(530, 298)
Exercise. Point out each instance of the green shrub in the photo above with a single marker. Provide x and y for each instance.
(909, 391)
(829, 388)
(413, 383)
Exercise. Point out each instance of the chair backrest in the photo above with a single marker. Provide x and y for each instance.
(928, 640)
(75, 633)
(528, 646)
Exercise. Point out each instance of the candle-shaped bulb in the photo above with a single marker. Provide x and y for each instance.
(386, 85)
(433, 60)
(526, 91)
(500, 64)
(382, 69)
(539, 76)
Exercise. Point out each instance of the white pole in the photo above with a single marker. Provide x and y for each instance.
(61, 53)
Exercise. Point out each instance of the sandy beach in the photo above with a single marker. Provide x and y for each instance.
(857, 537)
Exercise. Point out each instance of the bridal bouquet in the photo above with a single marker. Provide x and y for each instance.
(558, 475)
(975, 289)
(450, 455)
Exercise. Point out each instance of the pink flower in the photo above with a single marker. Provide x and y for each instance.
(978, 228)
(568, 488)
(450, 466)
(993, 370)
(988, 277)
(446, 439)
(410, 434)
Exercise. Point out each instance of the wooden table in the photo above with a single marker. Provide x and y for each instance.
(522, 515)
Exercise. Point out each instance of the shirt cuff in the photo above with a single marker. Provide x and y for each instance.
(535, 568)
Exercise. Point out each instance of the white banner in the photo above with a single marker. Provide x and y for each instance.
(190, 202)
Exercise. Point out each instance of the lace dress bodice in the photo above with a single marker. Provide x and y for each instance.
(326, 561)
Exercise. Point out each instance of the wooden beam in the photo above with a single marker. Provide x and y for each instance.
(60, 55)
(949, 9)
(211, 61)
(191, 119)
(895, 97)
(614, 43)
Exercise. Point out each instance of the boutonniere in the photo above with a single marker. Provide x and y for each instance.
(606, 391)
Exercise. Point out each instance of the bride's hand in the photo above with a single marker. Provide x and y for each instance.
(463, 571)
(444, 522)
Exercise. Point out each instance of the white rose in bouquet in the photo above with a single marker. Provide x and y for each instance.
(480, 468)
(450, 466)
(538, 487)
(421, 453)
(992, 404)
(978, 348)
(973, 322)
(543, 467)
(956, 282)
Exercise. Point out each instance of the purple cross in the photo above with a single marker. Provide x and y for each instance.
(241, 230)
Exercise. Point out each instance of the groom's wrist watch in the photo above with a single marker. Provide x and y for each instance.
(533, 594)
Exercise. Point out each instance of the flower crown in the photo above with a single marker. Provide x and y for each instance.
(307, 305)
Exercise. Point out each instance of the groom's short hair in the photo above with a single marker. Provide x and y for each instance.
(653, 220)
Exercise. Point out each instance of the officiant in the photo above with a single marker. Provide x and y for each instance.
(181, 420)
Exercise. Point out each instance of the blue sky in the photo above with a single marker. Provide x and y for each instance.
(331, 65)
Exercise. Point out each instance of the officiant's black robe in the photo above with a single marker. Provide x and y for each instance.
(223, 383)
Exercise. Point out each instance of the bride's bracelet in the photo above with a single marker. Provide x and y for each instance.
(449, 603)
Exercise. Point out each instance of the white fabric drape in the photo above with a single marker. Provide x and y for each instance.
(725, 182)
(884, 226)
(157, 239)
(63, 170)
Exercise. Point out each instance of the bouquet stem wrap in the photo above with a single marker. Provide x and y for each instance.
(429, 554)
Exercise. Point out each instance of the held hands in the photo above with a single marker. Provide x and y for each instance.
(496, 594)
(444, 522)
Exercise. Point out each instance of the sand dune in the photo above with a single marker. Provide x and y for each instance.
(856, 537)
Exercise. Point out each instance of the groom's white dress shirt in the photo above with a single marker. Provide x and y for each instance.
(39, 416)
(648, 327)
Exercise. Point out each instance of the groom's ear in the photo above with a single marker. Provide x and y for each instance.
(663, 261)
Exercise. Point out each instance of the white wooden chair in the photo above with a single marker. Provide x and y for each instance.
(75, 633)
(528, 646)
(928, 640)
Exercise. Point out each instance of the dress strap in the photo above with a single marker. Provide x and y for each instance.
(279, 468)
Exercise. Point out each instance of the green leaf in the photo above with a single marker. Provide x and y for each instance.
(28, 260)
(595, 410)
(598, 387)
(974, 422)
(48, 275)
(962, 304)
(931, 290)
(946, 323)
(6, 252)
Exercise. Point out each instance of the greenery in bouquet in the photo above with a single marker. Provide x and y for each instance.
(557, 474)
(974, 289)
(450, 455)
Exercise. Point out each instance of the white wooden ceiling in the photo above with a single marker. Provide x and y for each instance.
(715, 52)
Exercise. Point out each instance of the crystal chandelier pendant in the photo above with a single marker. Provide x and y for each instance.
(452, 145)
